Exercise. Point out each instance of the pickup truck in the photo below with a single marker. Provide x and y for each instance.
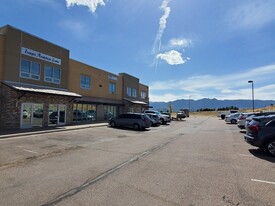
(222, 114)
(178, 116)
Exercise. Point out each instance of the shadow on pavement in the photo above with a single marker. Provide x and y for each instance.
(262, 155)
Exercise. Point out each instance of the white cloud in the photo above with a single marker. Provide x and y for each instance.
(162, 25)
(91, 4)
(164, 97)
(230, 86)
(172, 57)
(180, 42)
(252, 15)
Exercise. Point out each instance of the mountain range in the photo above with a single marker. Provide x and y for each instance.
(195, 105)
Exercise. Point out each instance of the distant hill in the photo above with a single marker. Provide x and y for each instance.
(210, 103)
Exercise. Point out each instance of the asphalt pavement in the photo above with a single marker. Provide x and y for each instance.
(33, 131)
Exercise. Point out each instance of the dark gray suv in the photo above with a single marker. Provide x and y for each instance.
(134, 120)
(261, 133)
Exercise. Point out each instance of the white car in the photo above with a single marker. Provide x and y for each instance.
(242, 119)
(232, 118)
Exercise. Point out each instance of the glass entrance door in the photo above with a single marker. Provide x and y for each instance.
(62, 114)
(26, 116)
(57, 114)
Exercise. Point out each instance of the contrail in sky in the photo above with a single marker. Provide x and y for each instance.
(162, 26)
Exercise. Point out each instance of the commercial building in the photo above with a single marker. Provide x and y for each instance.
(41, 86)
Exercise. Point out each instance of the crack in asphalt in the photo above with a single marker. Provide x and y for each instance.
(38, 157)
(90, 182)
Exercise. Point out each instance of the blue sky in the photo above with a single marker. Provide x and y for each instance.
(179, 48)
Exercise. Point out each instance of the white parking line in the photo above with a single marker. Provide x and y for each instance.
(246, 155)
(26, 150)
(262, 181)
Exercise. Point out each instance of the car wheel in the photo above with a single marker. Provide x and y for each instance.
(161, 121)
(136, 126)
(233, 121)
(113, 124)
(270, 147)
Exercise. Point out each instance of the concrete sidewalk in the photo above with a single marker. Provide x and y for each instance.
(25, 132)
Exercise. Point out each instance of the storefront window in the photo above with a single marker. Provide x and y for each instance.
(84, 113)
(32, 115)
(53, 114)
(110, 111)
(38, 112)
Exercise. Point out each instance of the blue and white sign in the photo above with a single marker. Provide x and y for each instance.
(39, 55)
(112, 77)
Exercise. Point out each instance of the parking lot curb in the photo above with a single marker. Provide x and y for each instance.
(56, 129)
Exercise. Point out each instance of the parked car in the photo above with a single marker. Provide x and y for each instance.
(242, 118)
(261, 133)
(166, 113)
(163, 117)
(134, 120)
(181, 115)
(232, 118)
(222, 114)
(248, 119)
(155, 119)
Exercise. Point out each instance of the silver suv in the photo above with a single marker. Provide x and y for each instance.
(163, 117)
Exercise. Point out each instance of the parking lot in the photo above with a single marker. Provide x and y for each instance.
(198, 161)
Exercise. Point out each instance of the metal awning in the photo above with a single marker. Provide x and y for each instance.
(136, 102)
(39, 89)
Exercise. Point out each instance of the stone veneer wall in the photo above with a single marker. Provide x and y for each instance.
(11, 101)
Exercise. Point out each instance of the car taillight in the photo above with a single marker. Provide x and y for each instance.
(242, 117)
(254, 128)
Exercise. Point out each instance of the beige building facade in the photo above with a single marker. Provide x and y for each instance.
(41, 86)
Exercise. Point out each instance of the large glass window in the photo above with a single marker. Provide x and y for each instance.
(112, 88)
(30, 69)
(85, 82)
(143, 95)
(52, 74)
(32, 115)
(110, 111)
(134, 92)
(129, 91)
(84, 113)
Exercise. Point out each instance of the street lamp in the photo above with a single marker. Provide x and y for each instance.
(252, 84)
(189, 104)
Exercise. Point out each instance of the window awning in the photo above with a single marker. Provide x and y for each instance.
(136, 102)
(39, 89)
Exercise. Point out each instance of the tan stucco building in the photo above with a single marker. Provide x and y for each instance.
(41, 86)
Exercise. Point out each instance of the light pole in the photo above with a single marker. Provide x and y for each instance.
(189, 105)
(252, 84)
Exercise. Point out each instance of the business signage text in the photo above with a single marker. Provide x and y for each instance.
(39, 55)
(112, 77)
